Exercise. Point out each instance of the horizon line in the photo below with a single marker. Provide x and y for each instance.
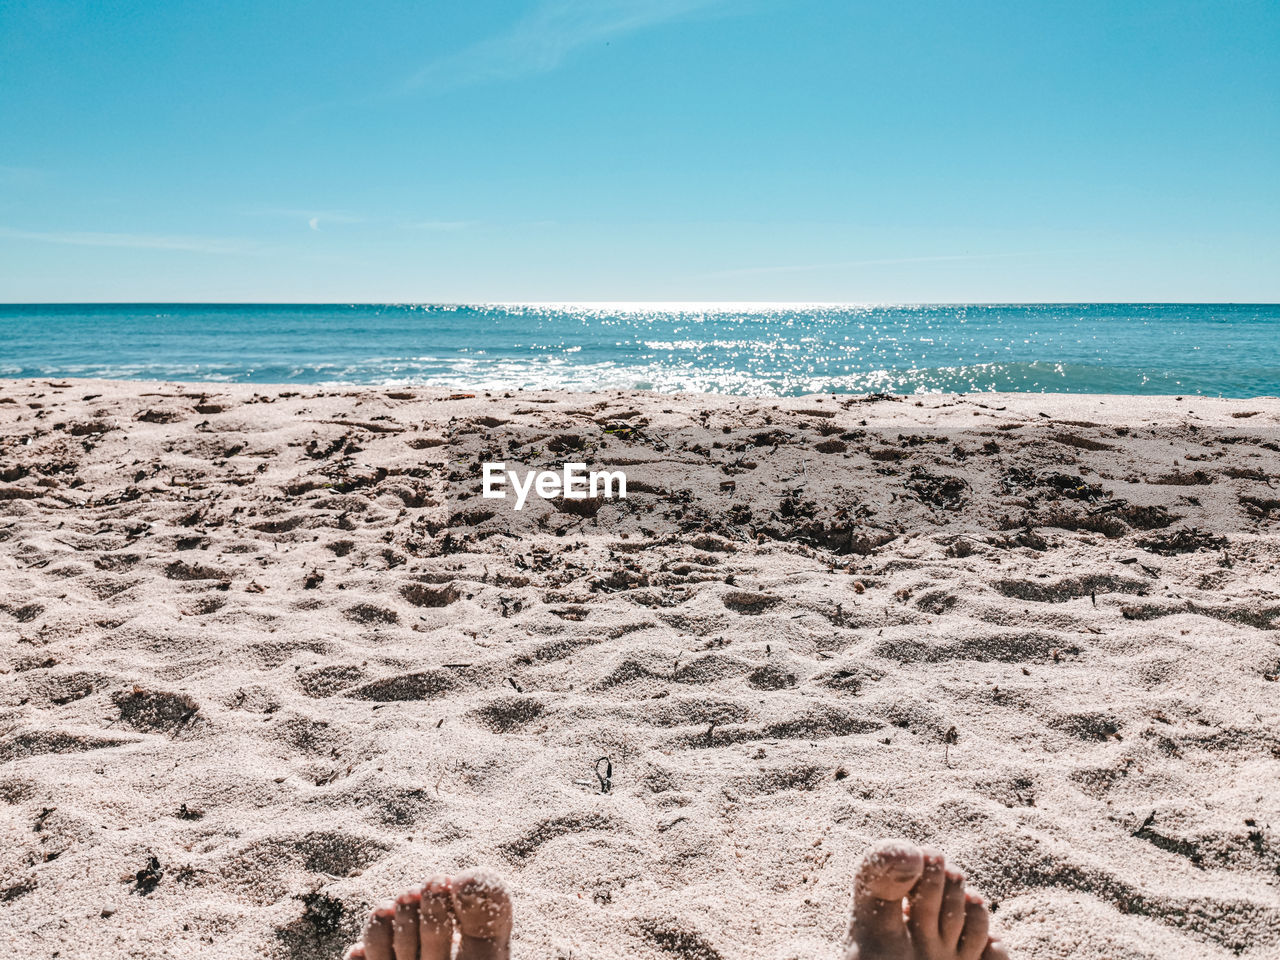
(635, 304)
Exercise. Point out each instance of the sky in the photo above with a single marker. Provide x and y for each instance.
(623, 150)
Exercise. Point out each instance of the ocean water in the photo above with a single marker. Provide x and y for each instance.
(1216, 350)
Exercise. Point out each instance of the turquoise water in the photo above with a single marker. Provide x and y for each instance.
(1218, 350)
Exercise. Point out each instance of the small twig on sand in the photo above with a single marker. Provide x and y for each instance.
(606, 779)
(950, 737)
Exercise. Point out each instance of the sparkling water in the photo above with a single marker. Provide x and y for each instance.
(757, 349)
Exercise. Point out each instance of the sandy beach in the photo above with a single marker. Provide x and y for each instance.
(269, 656)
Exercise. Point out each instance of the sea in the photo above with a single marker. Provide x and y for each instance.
(1228, 350)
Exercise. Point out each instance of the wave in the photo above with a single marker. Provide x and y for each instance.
(723, 348)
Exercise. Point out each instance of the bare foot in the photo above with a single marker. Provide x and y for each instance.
(421, 924)
(941, 921)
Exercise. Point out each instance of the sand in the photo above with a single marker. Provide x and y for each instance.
(268, 657)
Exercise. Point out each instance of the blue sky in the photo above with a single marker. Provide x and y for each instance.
(794, 150)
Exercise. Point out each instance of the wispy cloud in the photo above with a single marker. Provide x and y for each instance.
(138, 241)
(846, 264)
(317, 219)
(541, 41)
(312, 218)
(443, 225)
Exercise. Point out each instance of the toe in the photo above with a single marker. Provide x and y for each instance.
(924, 902)
(951, 915)
(355, 953)
(435, 920)
(377, 934)
(482, 907)
(995, 951)
(404, 927)
(887, 873)
(977, 922)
